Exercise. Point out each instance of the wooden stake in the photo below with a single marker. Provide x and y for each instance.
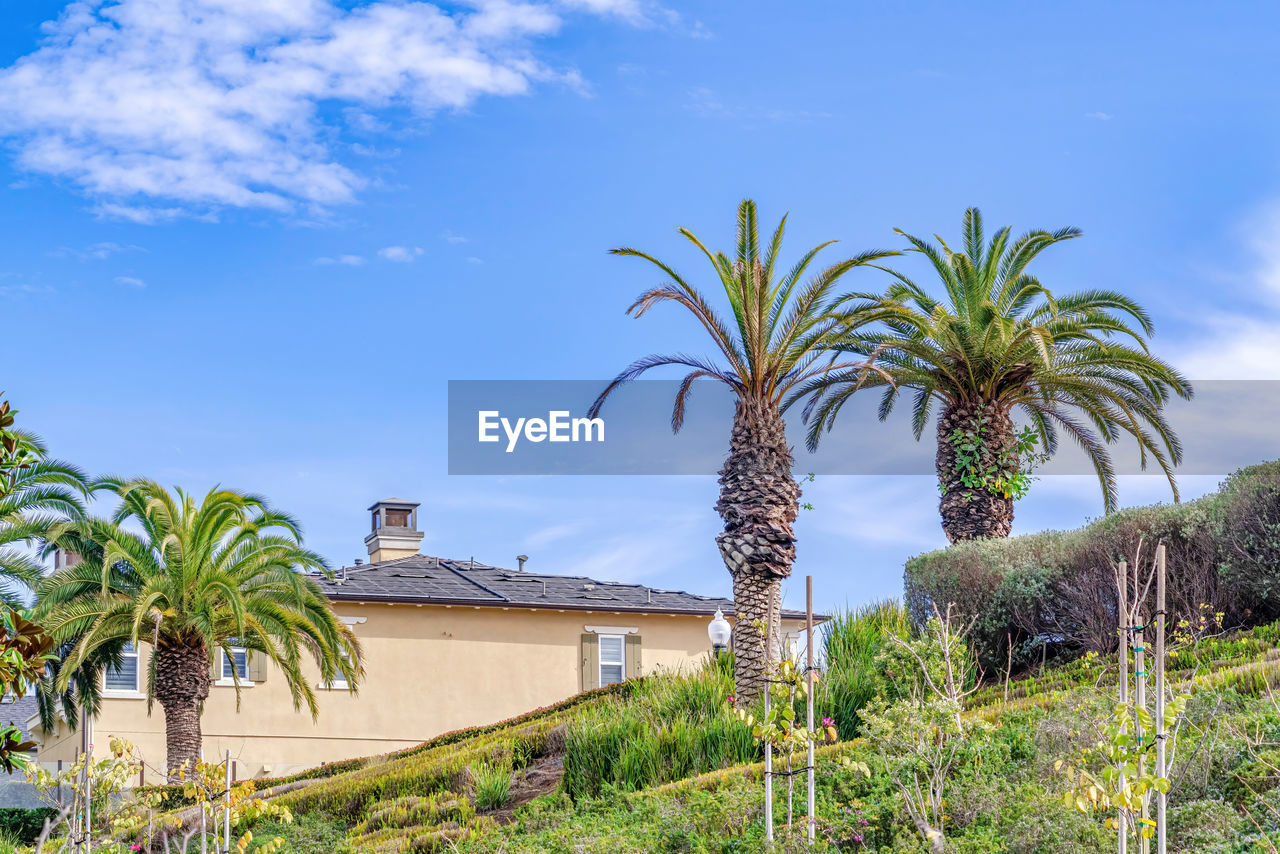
(768, 748)
(1140, 699)
(808, 630)
(1162, 770)
(226, 808)
(1122, 586)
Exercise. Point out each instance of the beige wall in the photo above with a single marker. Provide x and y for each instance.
(429, 669)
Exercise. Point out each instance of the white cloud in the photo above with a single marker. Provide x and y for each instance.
(450, 237)
(1102, 117)
(704, 102)
(474, 260)
(98, 251)
(347, 260)
(1244, 345)
(158, 109)
(130, 281)
(399, 254)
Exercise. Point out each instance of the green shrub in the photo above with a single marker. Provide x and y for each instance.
(23, 825)
(672, 726)
(1055, 591)
(1201, 825)
(851, 642)
(491, 785)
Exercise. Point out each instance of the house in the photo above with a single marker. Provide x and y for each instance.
(447, 644)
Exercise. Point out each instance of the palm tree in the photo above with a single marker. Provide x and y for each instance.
(35, 496)
(773, 342)
(36, 493)
(194, 580)
(996, 342)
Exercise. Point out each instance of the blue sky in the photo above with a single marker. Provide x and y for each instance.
(249, 243)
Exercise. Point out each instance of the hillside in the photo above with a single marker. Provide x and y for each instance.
(630, 769)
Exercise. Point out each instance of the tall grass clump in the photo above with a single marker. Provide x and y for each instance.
(673, 726)
(851, 642)
(491, 785)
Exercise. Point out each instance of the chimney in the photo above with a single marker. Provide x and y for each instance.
(520, 559)
(394, 530)
(63, 559)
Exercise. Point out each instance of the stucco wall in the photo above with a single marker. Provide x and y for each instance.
(429, 669)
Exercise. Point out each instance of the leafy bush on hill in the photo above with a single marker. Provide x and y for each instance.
(1057, 588)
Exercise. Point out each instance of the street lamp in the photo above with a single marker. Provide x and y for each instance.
(719, 631)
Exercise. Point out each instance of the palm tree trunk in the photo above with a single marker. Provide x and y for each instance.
(181, 685)
(759, 500)
(971, 512)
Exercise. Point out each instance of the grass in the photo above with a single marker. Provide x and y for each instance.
(670, 727)
(665, 766)
(852, 641)
(491, 785)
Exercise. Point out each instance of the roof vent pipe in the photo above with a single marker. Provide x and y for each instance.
(520, 559)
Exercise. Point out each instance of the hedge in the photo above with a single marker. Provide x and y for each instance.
(1055, 591)
(23, 826)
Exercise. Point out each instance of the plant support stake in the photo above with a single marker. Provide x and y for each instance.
(226, 808)
(1122, 587)
(1162, 770)
(808, 643)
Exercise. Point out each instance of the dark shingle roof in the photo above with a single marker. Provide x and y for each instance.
(17, 710)
(426, 579)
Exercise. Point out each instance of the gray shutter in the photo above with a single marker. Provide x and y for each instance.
(590, 662)
(215, 669)
(632, 656)
(258, 666)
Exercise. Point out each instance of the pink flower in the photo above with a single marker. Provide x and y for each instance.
(137, 846)
(732, 699)
(828, 722)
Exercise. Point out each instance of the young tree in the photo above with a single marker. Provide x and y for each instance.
(779, 329)
(916, 726)
(193, 581)
(995, 343)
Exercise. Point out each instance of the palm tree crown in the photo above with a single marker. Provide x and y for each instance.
(998, 341)
(778, 336)
(194, 579)
(35, 496)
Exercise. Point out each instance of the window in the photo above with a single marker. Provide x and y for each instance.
(339, 682)
(235, 664)
(124, 677)
(397, 518)
(612, 659)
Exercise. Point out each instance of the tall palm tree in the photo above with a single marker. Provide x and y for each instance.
(194, 580)
(36, 493)
(997, 342)
(773, 342)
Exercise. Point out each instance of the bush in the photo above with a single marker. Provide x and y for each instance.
(851, 642)
(491, 785)
(1055, 591)
(672, 726)
(23, 825)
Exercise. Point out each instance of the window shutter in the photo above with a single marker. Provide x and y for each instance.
(633, 656)
(590, 662)
(215, 669)
(258, 664)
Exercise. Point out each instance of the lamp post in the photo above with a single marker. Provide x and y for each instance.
(719, 631)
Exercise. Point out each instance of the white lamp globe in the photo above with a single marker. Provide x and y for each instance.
(719, 631)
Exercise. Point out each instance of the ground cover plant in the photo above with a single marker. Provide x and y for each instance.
(574, 788)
